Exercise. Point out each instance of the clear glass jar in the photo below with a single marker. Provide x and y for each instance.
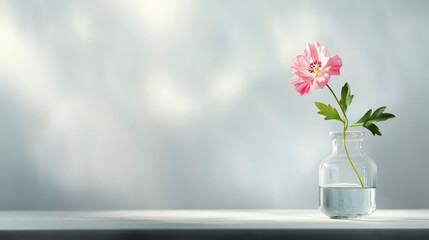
(342, 194)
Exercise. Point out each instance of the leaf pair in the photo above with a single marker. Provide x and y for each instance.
(367, 121)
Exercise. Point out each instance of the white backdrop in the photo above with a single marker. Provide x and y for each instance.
(188, 104)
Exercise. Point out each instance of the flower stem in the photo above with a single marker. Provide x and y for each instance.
(346, 125)
(345, 148)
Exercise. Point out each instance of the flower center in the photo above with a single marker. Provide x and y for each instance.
(315, 67)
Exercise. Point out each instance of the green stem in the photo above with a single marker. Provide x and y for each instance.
(345, 148)
(346, 125)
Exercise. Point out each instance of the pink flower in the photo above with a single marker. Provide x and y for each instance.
(314, 69)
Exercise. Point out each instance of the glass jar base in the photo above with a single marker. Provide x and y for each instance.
(350, 217)
(346, 202)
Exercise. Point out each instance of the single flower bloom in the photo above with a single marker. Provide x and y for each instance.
(314, 69)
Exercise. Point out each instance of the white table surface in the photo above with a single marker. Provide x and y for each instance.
(206, 219)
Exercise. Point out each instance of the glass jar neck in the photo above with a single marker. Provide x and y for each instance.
(353, 142)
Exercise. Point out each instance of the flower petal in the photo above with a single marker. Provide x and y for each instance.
(333, 66)
(323, 55)
(295, 79)
(303, 87)
(320, 82)
(300, 67)
(311, 52)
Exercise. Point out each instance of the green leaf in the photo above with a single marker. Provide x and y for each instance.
(367, 121)
(362, 121)
(379, 116)
(374, 129)
(328, 111)
(346, 97)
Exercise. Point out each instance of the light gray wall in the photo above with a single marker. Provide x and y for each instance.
(188, 104)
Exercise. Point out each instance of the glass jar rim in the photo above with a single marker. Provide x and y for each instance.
(349, 135)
